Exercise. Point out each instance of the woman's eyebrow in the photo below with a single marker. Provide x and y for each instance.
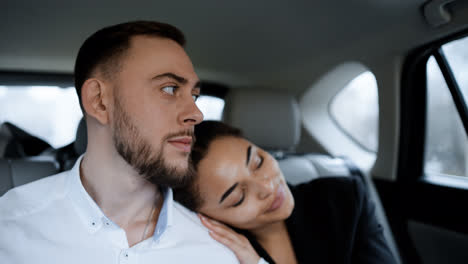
(249, 151)
(229, 191)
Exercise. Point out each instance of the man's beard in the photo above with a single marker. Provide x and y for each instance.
(149, 163)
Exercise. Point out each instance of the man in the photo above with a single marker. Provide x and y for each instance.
(137, 88)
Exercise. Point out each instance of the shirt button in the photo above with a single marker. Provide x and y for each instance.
(124, 256)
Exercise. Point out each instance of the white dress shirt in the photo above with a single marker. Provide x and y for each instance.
(54, 220)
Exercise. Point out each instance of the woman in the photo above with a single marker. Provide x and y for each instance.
(327, 220)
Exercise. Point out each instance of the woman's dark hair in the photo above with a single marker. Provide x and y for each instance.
(205, 133)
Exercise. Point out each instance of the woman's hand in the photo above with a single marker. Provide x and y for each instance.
(238, 243)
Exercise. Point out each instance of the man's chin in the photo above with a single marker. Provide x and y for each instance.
(176, 158)
(179, 167)
(174, 153)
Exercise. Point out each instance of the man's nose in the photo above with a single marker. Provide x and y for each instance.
(190, 114)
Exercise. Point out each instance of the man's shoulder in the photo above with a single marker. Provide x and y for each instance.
(190, 222)
(32, 197)
(195, 232)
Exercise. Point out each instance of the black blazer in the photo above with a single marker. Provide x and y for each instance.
(334, 221)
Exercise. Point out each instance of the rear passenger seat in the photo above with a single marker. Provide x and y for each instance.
(272, 121)
(251, 111)
(16, 172)
(18, 163)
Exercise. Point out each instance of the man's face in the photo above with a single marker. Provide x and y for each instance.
(154, 110)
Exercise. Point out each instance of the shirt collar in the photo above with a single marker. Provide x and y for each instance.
(92, 216)
(165, 218)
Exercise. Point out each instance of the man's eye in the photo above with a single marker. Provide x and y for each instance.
(169, 89)
(195, 97)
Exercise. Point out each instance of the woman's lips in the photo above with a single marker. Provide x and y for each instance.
(182, 143)
(279, 198)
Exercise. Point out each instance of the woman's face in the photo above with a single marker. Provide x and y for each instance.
(242, 185)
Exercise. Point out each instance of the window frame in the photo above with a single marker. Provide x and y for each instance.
(453, 86)
(19, 78)
(413, 111)
(342, 129)
(416, 195)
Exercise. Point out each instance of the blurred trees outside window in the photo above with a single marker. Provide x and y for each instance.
(446, 146)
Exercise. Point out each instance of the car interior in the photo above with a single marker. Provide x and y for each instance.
(369, 89)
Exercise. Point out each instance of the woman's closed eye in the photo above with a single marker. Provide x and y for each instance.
(260, 162)
(240, 200)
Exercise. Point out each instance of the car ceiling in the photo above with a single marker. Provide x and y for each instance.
(275, 44)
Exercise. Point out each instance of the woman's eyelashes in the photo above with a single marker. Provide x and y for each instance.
(240, 201)
(260, 162)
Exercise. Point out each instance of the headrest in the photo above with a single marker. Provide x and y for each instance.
(16, 172)
(17, 143)
(81, 140)
(270, 119)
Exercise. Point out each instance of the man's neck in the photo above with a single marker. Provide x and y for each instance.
(123, 195)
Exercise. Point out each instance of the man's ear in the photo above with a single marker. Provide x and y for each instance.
(95, 96)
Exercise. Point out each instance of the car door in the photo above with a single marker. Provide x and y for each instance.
(428, 204)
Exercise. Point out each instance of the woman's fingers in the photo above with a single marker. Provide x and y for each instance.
(222, 233)
(238, 243)
(220, 228)
(225, 241)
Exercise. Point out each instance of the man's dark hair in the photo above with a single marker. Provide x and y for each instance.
(105, 48)
(205, 133)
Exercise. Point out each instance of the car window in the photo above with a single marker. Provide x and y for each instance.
(446, 145)
(456, 53)
(212, 107)
(48, 112)
(445, 135)
(356, 110)
(53, 113)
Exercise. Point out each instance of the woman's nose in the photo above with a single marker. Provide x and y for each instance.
(265, 186)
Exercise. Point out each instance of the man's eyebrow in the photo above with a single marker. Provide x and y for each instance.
(249, 151)
(171, 75)
(229, 191)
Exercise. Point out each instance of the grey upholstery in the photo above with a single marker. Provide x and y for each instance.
(16, 172)
(297, 170)
(6, 182)
(304, 168)
(277, 115)
(272, 121)
(5, 137)
(79, 146)
(81, 137)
